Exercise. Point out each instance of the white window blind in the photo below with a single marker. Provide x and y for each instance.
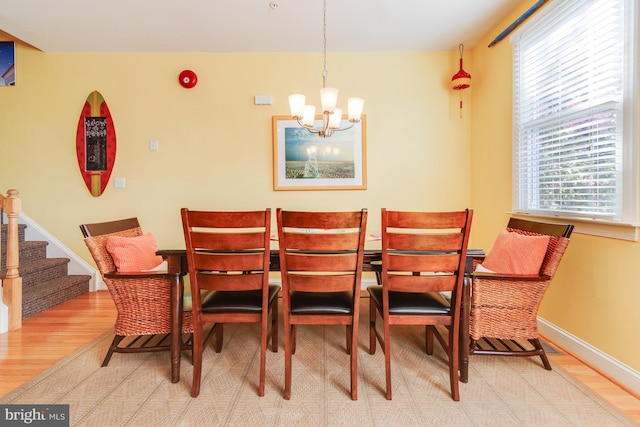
(574, 91)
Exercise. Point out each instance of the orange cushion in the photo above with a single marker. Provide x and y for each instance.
(514, 253)
(133, 254)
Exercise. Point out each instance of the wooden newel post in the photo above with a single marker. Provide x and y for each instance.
(12, 284)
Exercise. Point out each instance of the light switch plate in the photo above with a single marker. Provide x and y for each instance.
(119, 182)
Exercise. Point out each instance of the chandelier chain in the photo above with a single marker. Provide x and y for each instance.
(324, 41)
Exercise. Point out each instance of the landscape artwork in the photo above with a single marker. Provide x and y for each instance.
(304, 160)
(7, 64)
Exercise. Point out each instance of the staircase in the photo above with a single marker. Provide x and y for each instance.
(45, 281)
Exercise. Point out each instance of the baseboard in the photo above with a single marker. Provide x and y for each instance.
(598, 360)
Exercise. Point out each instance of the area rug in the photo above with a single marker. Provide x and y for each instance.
(135, 390)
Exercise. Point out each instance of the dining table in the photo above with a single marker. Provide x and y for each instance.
(177, 263)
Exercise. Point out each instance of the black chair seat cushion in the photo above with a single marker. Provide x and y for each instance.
(238, 301)
(410, 302)
(321, 302)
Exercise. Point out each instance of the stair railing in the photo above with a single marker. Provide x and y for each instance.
(12, 284)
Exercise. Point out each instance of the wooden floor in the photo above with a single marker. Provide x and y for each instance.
(50, 336)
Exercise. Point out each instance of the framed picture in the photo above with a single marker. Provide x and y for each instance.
(303, 160)
(7, 64)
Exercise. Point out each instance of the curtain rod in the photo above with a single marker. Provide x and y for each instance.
(517, 22)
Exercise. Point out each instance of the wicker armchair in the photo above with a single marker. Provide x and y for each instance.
(142, 300)
(504, 308)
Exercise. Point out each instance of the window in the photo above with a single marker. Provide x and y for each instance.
(575, 112)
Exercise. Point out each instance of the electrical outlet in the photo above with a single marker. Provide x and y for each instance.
(119, 182)
(153, 145)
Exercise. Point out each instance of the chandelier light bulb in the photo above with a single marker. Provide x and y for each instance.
(309, 116)
(329, 99)
(296, 104)
(354, 107)
(335, 118)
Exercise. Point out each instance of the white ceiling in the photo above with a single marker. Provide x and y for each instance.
(250, 25)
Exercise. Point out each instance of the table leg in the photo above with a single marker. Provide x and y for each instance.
(464, 330)
(174, 265)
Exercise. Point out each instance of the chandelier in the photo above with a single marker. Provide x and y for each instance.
(331, 116)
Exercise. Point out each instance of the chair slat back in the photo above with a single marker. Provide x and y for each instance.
(109, 227)
(321, 251)
(227, 250)
(424, 251)
(560, 230)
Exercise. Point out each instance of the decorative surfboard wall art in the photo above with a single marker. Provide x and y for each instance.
(96, 143)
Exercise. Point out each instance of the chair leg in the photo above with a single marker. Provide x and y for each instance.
(112, 348)
(472, 346)
(387, 358)
(372, 326)
(428, 339)
(197, 359)
(188, 345)
(543, 355)
(217, 346)
(274, 327)
(454, 359)
(349, 338)
(264, 338)
(353, 346)
(288, 331)
(208, 337)
(293, 339)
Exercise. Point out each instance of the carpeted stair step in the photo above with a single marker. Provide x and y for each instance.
(4, 228)
(28, 252)
(43, 270)
(52, 292)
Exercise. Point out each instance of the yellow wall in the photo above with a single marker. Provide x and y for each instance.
(595, 293)
(215, 145)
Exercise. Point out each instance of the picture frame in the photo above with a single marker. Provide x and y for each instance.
(303, 160)
(7, 63)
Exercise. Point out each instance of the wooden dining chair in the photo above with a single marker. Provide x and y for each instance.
(506, 299)
(142, 298)
(228, 258)
(321, 257)
(423, 256)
